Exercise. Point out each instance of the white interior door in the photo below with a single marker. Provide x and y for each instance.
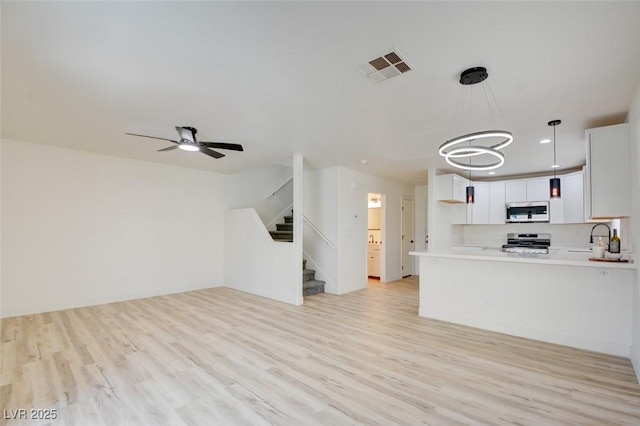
(408, 243)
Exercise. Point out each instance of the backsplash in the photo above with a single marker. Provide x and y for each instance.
(574, 235)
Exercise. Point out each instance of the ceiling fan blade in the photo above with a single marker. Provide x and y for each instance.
(210, 152)
(152, 137)
(169, 148)
(222, 145)
(186, 133)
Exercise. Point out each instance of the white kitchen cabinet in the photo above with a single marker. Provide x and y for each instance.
(515, 191)
(608, 172)
(534, 189)
(497, 208)
(373, 261)
(573, 197)
(374, 218)
(489, 206)
(491, 197)
(451, 188)
(479, 210)
(538, 189)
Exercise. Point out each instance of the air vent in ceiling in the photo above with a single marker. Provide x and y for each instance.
(385, 67)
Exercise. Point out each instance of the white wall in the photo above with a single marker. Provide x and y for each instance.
(321, 208)
(254, 189)
(420, 205)
(256, 264)
(634, 123)
(81, 229)
(440, 218)
(336, 202)
(353, 188)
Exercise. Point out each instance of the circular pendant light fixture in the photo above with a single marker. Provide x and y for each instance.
(451, 149)
(470, 151)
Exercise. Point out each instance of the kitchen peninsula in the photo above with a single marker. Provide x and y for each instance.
(559, 298)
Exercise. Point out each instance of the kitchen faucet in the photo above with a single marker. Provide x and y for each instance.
(608, 234)
(371, 239)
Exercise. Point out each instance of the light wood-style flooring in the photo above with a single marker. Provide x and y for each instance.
(223, 357)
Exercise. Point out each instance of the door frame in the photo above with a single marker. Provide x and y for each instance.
(408, 269)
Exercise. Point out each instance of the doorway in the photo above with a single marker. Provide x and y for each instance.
(375, 223)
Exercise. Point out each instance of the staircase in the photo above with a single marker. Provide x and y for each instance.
(284, 233)
(310, 285)
(284, 230)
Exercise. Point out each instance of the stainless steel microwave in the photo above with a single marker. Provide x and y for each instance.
(534, 211)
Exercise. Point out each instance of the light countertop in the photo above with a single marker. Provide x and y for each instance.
(561, 257)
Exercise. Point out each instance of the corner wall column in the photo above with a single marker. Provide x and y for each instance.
(298, 220)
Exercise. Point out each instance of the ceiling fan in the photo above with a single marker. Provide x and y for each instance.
(189, 142)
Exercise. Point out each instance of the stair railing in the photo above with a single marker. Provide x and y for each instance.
(280, 187)
(279, 216)
(319, 232)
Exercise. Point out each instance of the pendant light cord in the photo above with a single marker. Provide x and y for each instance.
(554, 152)
(470, 183)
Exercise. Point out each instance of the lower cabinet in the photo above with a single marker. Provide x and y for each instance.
(373, 261)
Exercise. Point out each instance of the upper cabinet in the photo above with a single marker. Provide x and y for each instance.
(572, 198)
(490, 199)
(451, 188)
(608, 183)
(374, 218)
(535, 189)
(515, 191)
(478, 212)
(538, 189)
(489, 206)
(497, 201)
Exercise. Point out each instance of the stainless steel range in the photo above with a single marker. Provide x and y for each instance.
(527, 243)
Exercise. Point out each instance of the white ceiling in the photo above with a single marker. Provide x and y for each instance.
(285, 78)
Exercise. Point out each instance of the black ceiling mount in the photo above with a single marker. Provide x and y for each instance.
(554, 122)
(473, 76)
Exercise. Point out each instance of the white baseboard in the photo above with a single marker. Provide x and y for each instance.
(15, 311)
(574, 341)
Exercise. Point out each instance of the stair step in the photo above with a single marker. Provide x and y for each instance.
(312, 287)
(284, 226)
(288, 219)
(278, 235)
(308, 274)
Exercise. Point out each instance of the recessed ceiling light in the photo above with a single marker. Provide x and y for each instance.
(545, 141)
(492, 173)
(364, 161)
(555, 166)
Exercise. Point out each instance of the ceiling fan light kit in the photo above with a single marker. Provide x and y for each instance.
(188, 147)
(450, 149)
(189, 142)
